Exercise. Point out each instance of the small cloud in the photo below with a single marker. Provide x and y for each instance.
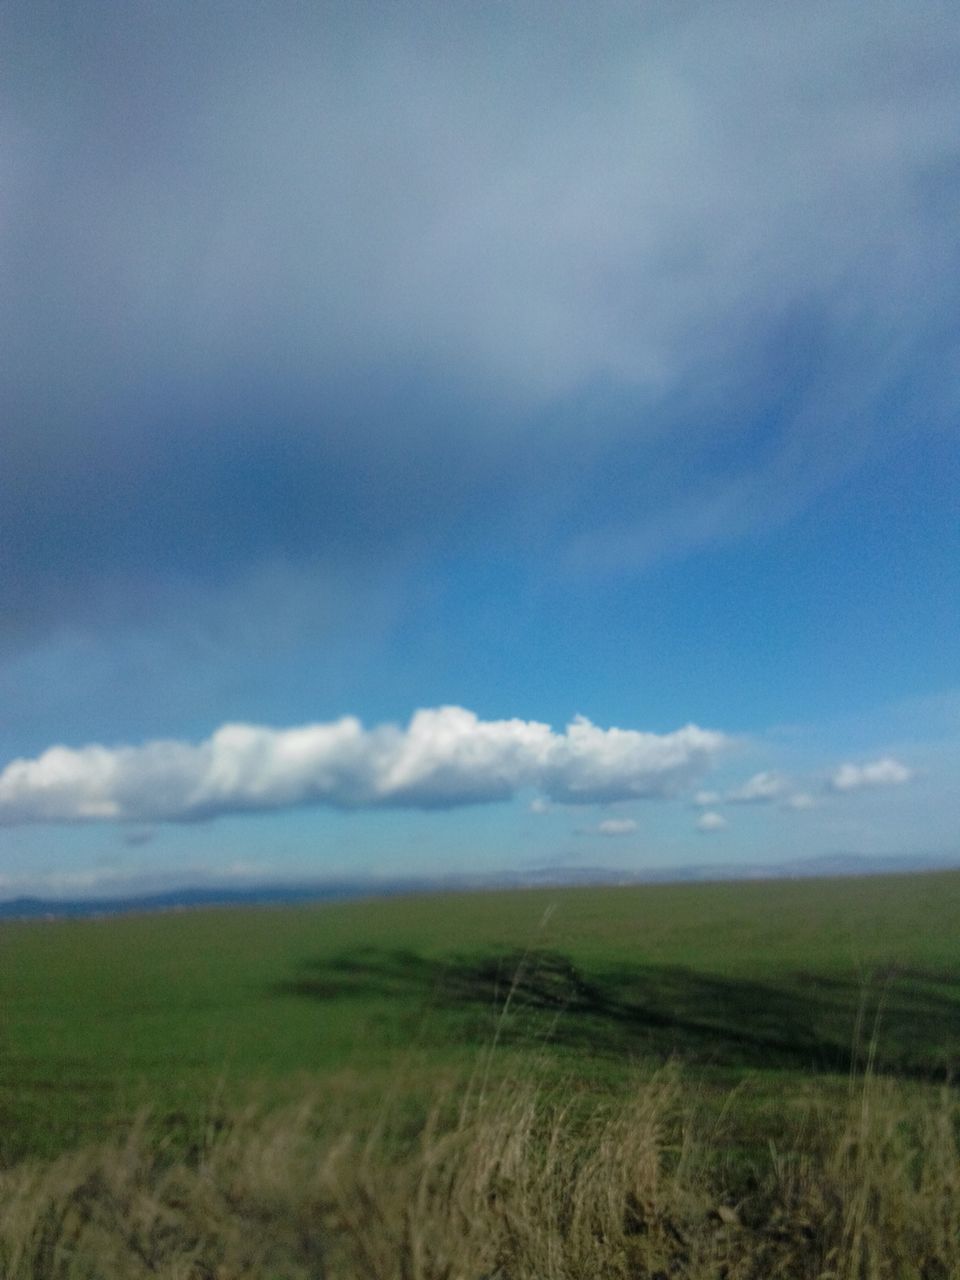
(877, 773)
(242, 870)
(539, 805)
(711, 821)
(760, 789)
(616, 827)
(138, 837)
(704, 799)
(799, 800)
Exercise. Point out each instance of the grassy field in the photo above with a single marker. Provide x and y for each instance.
(715, 1082)
(187, 1012)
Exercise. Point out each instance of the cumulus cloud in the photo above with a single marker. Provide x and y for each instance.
(711, 821)
(799, 800)
(616, 827)
(886, 772)
(443, 758)
(705, 799)
(760, 789)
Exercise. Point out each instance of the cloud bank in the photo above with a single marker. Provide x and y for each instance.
(278, 250)
(445, 757)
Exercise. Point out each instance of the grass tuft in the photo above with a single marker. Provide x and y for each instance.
(511, 1181)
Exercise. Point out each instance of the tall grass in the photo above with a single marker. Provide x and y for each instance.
(509, 1181)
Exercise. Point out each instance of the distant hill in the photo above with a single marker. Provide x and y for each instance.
(280, 892)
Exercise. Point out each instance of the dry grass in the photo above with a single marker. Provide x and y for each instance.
(509, 1183)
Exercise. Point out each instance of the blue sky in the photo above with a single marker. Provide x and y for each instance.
(533, 362)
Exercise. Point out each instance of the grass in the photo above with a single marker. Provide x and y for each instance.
(761, 981)
(506, 1183)
(715, 1082)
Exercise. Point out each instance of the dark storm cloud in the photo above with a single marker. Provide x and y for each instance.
(347, 281)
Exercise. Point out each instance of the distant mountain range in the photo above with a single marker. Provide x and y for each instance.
(290, 892)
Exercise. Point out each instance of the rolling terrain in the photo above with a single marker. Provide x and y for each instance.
(767, 981)
(714, 1081)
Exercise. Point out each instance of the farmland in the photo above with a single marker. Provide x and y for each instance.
(765, 982)
(743, 1081)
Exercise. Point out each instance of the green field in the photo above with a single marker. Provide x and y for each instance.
(184, 1011)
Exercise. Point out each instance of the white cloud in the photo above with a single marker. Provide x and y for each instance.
(877, 773)
(760, 789)
(799, 800)
(617, 827)
(704, 799)
(587, 764)
(539, 805)
(444, 757)
(711, 821)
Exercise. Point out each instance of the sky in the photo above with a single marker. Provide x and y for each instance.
(450, 438)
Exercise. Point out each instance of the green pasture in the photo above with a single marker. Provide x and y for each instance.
(766, 981)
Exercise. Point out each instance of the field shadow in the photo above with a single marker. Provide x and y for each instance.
(801, 1022)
